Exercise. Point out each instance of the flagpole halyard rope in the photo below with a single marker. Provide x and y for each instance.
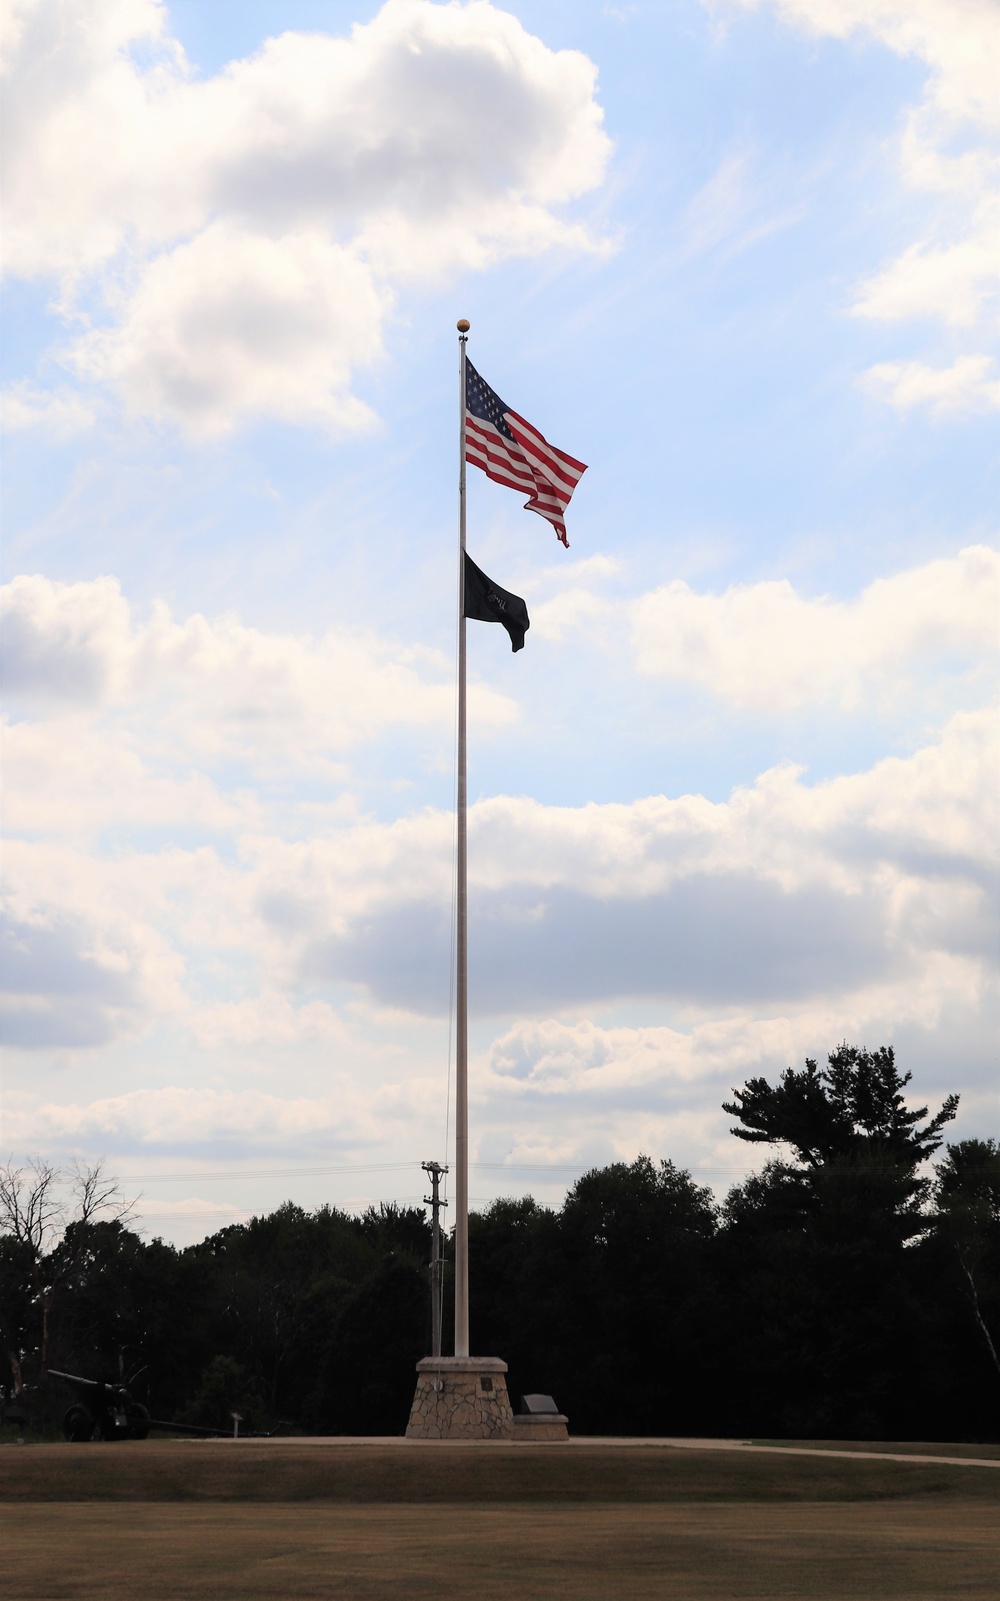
(511, 451)
(451, 936)
(461, 915)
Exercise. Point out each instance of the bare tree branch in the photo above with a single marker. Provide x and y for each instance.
(30, 1208)
(33, 1213)
(96, 1193)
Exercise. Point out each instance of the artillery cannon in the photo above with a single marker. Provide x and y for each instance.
(108, 1412)
(103, 1411)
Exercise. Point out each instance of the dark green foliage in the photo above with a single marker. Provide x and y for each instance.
(326, 1312)
(824, 1305)
(604, 1302)
(379, 1338)
(968, 1182)
(852, 1105)
(828, 1258)
(226, 1388)
(838, 1293)
(636, 1244)
(15, 1294)
(968, 1233)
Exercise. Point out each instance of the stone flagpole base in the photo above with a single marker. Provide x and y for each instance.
(461, 1398)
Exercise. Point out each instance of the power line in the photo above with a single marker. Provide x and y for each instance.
(264, 1173)
(572, 1168)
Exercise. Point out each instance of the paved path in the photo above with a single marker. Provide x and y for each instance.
(811, 1450)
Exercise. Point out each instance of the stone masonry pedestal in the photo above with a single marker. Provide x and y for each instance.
(461, 1398)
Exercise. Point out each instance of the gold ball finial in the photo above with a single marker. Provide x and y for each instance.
(463, 325)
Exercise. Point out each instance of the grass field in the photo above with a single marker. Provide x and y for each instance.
(376, 1473)
(164, 1521)
(365, 1553)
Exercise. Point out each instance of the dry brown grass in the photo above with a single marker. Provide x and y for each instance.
(183, 1521)
(378, 1473)
(913, 1551)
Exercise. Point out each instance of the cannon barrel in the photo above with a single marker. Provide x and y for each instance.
(145, 1421)
(88, 1384)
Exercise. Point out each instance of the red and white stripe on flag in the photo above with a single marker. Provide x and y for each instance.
(527, 463)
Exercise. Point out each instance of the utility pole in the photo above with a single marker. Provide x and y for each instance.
(435, 1172)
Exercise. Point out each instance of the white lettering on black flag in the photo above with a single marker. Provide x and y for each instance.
(486, 602)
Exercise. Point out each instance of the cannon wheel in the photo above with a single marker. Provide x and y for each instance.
(78, 1424)
(138, 1422)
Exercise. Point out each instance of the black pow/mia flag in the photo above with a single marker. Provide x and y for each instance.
(486, 602)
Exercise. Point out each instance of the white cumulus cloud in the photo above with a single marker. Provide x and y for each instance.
(59, 412)
(952, 273)
(953, 282)
(959, 40)
(969, 384)
(248, 230)
(82, 963)
(765, 647)
(787, 890)
(233, 324)
(217, 690)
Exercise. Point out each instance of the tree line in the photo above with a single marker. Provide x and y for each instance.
(851, 1289)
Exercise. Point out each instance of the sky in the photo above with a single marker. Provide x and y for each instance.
(735, 801)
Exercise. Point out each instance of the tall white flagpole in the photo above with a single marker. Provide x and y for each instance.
(461, 921)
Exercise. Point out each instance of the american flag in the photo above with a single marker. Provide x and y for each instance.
(511, 452)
